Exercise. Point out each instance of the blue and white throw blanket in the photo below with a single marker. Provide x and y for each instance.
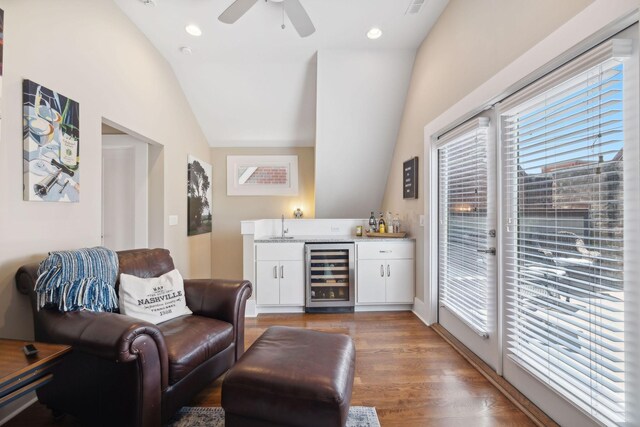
(83, 279)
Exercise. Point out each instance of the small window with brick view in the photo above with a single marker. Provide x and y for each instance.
(262, 175)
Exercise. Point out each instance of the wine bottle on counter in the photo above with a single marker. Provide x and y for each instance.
(389, 223)
(382, 228)
(396, 224)
(372, 223)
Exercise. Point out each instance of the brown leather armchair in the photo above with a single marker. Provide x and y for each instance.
(123, 371)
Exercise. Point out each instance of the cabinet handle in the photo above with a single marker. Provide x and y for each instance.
(386, 252)
(282, 271)
(275, 271)
(381, 270)
(388, 270)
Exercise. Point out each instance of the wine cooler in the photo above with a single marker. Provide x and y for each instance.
(330, 277)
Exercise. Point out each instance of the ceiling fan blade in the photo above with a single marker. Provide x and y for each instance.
(299, 18)
(236, 10)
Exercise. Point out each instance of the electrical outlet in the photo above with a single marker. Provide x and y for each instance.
(421, 220)
(173, 219)
(335, 229)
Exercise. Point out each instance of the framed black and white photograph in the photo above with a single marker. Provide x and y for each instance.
(410, 179)
(199, 197)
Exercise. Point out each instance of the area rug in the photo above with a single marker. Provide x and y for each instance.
(359, 416)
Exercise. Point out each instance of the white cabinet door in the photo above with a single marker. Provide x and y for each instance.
(267, 283)
(371, 281)
(400, 280)
(291, 275)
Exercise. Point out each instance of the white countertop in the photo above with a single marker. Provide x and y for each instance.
(331, 239)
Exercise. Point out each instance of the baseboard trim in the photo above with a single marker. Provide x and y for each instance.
(520, 400)
(383, 307)
(250, 309)
(30, 399)
(276, 309)
(253, 310)
(419, 308)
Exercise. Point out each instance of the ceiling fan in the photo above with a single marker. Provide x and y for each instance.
(294, 10)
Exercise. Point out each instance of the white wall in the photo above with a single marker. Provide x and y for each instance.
(125, 171)
(228, 211)
(471, 41)
(89, 51)
(361, 94)
(253, 103)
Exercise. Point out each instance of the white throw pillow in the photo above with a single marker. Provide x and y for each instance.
(154, 300)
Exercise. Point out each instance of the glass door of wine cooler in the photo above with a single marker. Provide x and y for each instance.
(330, 277)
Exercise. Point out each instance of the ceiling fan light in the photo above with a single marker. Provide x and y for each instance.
(374, 33)
(193, 30)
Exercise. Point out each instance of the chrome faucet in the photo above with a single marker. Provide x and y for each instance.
(282, 228)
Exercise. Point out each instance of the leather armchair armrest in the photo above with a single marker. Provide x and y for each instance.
(220, 299)
(110, 336)
(26, 278)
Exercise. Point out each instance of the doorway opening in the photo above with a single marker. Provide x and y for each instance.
(132, 189)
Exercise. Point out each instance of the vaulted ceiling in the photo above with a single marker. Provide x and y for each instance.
(253, 83)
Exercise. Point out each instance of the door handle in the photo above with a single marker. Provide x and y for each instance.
(275, 271)
(388, 270)
(282, 271)
(381, 270)
(490, 251)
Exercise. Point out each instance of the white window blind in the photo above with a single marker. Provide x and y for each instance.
(463, 223)
(563, 143)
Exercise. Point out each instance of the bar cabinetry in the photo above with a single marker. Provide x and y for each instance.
(280, 274)
(386, 272)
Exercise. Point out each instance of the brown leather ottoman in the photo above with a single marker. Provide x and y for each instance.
(291, 377)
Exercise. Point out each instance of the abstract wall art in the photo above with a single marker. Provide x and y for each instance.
(51, 145)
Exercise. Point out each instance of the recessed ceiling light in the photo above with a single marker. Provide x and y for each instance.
(193, 30)
(186, 50)
(374, 33)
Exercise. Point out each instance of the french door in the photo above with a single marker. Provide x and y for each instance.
(569, 150)
(467, 238)
(567, 239)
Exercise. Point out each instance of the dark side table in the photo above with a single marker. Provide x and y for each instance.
(20, 374)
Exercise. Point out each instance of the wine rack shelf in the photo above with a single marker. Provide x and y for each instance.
(330, 275)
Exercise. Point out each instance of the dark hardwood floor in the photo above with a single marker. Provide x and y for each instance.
(403, 368)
